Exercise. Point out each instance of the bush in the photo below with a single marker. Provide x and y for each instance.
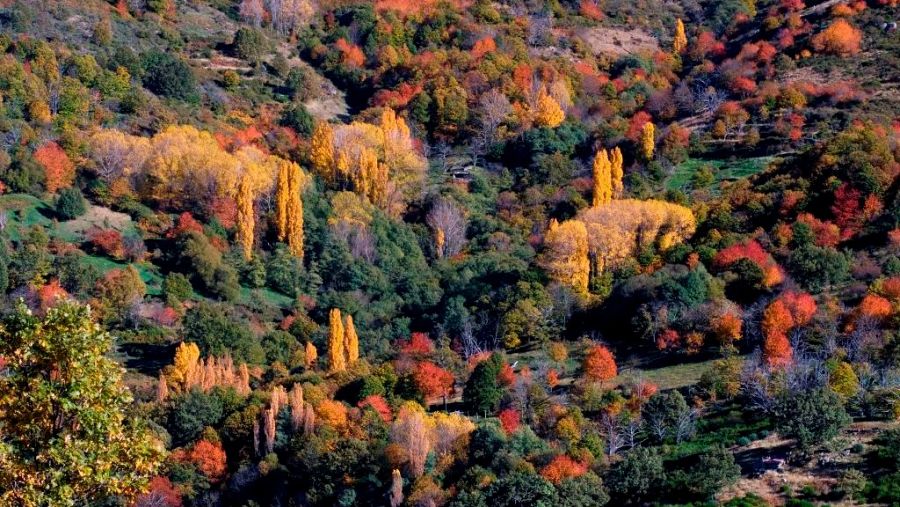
(299, 119)
(70, 204)
(176, 288)
(169, 76)
(249, 44)
(217, 331)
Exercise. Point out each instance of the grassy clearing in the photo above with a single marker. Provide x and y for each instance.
(667, 377)
(723, 170)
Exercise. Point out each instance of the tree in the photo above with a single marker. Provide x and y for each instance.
(411, 431)
(252, 11)
(337, 358)
(311, 355)
(638, 476)
(66, 439)
(448, 222)
(249, 44)
(619, 230)
(548, 113)
(187, 356)
(679, 42)
(482, 392)
(321, 151)
(59, 171)
(648, 140)
(811, 417)
(562, 468)
(246, 220)
(70, 204)
(616, 171)
(351, 341)
(294, 231)
(599, 364)
(169, 76)
(840, 38)
(602, 172)
(432, 380)
(565, 254)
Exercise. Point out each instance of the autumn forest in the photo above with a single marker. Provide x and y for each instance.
(449, 253)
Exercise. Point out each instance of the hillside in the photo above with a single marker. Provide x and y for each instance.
(449, 253)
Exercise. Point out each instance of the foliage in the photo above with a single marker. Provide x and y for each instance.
(66, 436)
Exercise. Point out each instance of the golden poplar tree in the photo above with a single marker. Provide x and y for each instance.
(246, 221)
(311, 355)
(648, 140)
(321, 151)
(282, 195)
(617, 171)
(351, 341)
(337, 359)
(680, 41)
(566, 254)
(187, 355)
(548, 113)
(602, 179)
(295, 212)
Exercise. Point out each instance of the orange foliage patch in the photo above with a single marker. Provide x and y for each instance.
(599, 363)
(59, 171)
(562, 468)
(840, 38)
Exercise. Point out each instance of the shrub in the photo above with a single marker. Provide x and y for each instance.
(169, 76)
(70, 204)
(249, 44)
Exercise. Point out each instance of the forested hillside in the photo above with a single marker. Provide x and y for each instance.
(449, 253)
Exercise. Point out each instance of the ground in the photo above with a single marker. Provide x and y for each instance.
(819, 474)
(614, 41)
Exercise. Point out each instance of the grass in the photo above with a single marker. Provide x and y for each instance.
(722, 427)
(667, 377)
(723, 170)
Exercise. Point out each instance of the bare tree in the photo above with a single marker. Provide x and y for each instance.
(611, 429)
(252, 11)
(448, 222)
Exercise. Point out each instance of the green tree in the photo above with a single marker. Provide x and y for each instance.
(482, 392)
(70, 203)
(169, 76)
(66, 439)
(217, 331)
(249, 44)
(811, 417)
(639, 476)
(520, 488)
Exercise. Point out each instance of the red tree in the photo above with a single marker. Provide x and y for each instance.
(509, 419)
(432, 380)
(599, 364)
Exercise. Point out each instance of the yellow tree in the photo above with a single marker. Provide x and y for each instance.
(620, 229)
(679, 43)
(321, 151)
(602, 178)
(311, 355)
(351, 341)
(282, 196)
(648, 140)
(566, 254)
(187, 355)
(294, 231)
(337, 359)
(617, 171)
(548, 113)
(246, 221)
